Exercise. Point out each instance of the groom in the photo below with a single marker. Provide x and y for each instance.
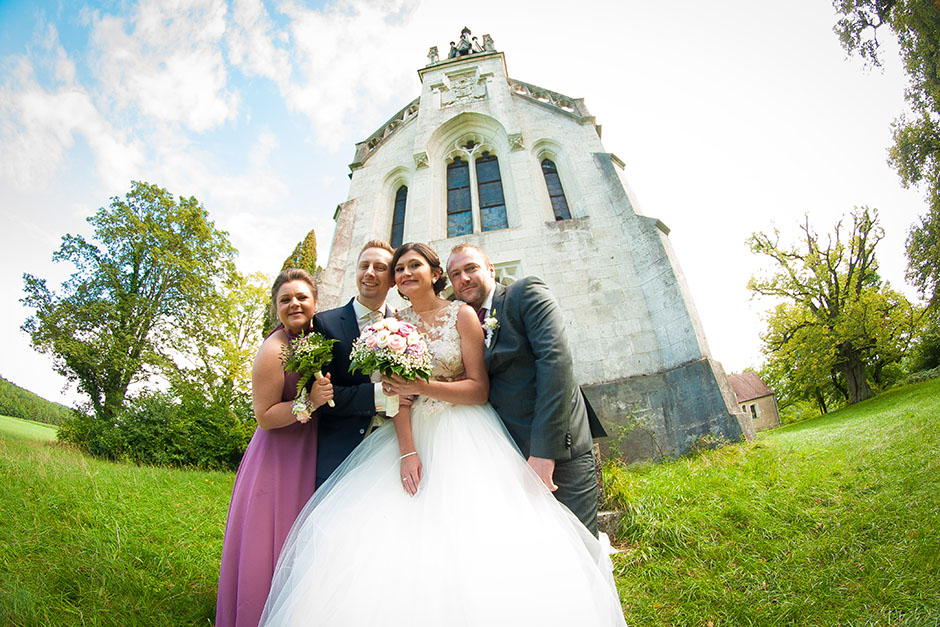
(357, 399)
(532, 385)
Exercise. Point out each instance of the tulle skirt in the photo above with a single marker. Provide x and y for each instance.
(482, 543)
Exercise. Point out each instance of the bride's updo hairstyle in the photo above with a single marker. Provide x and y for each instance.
(430, 256)
(286, 276)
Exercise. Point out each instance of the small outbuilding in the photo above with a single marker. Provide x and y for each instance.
(756, 399)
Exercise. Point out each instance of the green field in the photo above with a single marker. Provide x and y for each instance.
(16, 427)
(834, 521)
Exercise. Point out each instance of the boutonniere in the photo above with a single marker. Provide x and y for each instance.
(490, 324)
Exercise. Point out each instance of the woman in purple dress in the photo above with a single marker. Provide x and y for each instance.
(277, 474)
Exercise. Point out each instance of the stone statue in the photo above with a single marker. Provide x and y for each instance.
(432, 55)
(453, 51)
(476, 45)
(464, 47)
(488, 43)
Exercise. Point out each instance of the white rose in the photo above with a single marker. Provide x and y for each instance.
(381, 338)
(392, 324)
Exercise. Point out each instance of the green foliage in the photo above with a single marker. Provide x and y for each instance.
(916, 151)
(304, 255)
(831, 521)
(837, 328)
(179, 427)
(306, 355)
(152, 266)
(21, 403)
(925, 350)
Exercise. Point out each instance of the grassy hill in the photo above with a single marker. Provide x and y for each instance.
(20, 402)
(834, 521)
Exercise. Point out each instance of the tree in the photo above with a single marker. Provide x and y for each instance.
(916, 151)
(838, 325)
(304, 255)
(153, 265)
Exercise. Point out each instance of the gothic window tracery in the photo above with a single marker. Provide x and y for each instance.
(459, 208)
(490, 188)
(475, 198)
(398, 217)
(555, 190)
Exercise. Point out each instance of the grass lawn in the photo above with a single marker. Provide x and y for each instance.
(86, 542)
(834, 521)
(10, 426)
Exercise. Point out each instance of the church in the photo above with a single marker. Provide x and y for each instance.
(520, 171)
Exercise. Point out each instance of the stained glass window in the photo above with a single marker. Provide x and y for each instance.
(459, 216)
(398, 217)
(555, 191)
(490, 186)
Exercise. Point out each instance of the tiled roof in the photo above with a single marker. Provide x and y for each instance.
(747, 386)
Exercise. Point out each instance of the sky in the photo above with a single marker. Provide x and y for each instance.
(731, 117)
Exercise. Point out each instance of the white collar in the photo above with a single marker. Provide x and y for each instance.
(363, 312)
(488, 301)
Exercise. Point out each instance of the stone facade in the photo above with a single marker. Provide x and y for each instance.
(639, 349)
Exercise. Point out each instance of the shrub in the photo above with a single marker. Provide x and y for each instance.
(176, 428)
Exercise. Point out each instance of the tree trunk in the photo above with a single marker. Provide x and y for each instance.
(820, 401)
(856, 377)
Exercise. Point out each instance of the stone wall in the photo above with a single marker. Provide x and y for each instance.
(634, 333)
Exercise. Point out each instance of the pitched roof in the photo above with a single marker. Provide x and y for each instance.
(747, 386)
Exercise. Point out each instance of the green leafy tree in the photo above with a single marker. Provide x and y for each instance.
(837, 325)
(916, 151)
(304, 256)
(152, 266)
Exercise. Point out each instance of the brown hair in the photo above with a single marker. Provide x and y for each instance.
(286, 276)
(429, 255)
(377, 243)
(464, 246)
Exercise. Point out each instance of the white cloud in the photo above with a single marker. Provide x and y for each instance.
(353, 64)
(38, 127)
(167, 62)
(251, 46)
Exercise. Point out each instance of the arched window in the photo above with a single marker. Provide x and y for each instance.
(459, 210)
(555, 191)
(398, 217)
(490, 188)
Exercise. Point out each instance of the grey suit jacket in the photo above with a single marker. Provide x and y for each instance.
(532, 385)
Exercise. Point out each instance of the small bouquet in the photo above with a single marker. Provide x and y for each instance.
(306, 355)
(391, 346)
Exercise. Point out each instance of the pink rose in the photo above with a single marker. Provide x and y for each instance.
(371, 342)
(417, 350)
(406, 329)
(397, 343)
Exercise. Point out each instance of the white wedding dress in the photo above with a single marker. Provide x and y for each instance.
(482, 543)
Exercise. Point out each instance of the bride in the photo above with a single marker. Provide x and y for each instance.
(436, 519)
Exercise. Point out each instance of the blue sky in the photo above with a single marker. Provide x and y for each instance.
(731, 117)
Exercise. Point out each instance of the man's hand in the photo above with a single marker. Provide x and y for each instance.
(544, 469)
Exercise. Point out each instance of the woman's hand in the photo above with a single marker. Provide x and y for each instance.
(411, 473)
(397, 385)
(321, 392)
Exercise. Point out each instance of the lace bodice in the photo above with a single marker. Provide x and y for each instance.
(442, 338)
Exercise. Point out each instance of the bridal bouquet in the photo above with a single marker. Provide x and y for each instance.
(306, 355)
(391, 346)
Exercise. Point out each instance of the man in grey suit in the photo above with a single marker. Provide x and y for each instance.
(532, 385)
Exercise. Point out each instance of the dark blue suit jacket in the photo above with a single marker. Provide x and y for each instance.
(342, 427)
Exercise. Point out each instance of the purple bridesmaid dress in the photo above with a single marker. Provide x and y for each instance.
(275, 479)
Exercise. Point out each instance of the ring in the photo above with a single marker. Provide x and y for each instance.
(404, 479)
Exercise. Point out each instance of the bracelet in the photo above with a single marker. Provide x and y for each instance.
(408, 454)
